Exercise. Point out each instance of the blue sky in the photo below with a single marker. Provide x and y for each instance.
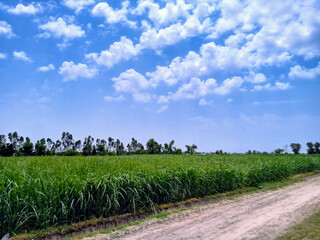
(231, 75)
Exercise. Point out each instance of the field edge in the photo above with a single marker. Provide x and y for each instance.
(96, 226)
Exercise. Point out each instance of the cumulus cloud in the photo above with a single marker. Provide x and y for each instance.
(77, 5)
(229, 100)
(48, 68)
(199, 89)
(255, 77)
(130, 82)
(211, 58)
(228, 85)
(72, 71)
(151, 38)
(3, 56)
(302, 72)
(154, 38)
(270, 28)
(30, 9)
(124, 49)
(6, 29)
(115, 99)
(111, 15)
(60, 29)
(194, 89)
(21, 55)
(275, 87)
(163, 16)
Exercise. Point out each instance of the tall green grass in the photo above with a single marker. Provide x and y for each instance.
(37, 192)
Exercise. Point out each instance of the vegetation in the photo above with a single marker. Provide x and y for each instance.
(37, 192)
(67, 146)
(295, 147)
(309, 229)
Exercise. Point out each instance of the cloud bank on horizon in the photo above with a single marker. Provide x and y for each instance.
(160, 54)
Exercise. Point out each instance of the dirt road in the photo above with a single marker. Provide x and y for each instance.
(262, 215)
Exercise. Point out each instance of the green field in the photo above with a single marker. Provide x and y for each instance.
(37, 192)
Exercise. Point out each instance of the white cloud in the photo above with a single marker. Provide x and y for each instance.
(154, 39)
(255, 77)
(229, 100)
(212, 58)
(21, 55)
(115, 99)
(6, 29)
(3, 56)
(50, 67)
(151, 38)
(276, 86)
(277, 28)
(60, 29)
(199, 89)
(203, 102)
(163, 16)
(30, 9)
(142, 97)
(162, 109)
(228, 85)
(78, 5)
(63, 45)
(194, 89)
(130, 82)
(111, 15)
(71, 71)
(302, 72)
(117, 51)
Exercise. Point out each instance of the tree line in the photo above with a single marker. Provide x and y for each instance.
(17, 145)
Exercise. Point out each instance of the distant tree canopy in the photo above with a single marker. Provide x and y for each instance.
(279, 151)
(67, 146)
(15, 145)
(295, 147)
(313, 148)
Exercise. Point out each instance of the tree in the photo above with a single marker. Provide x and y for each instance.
(168, 148)
(119, 147)
(16, 142)
(40, 147)
(110, 145)
(87, 146)
(57, 147)
(153, 147)
(27, 147)
(278, 151)
(101, 147)
(67, 141)
(317, 147)
(135, 147)
(295, 147)
(77, 146)
(3, 145)
(177, 151)
(219, 152)
(50, 147)
(191, 149)
(310, 149)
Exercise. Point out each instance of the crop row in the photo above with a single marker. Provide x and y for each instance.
(37, 192)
